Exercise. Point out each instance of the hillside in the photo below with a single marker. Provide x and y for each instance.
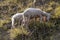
(43, 31)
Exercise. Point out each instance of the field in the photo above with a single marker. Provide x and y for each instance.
(39, 31)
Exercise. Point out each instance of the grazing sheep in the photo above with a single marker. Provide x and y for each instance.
(17, 17)
(32, 12)
(20, 18)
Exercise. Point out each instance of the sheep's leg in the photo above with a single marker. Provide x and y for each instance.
(27, 23)
(13, 23)
(28, 19)
(44, 18)
(40, 18)
(48, 18)
(19, 22)
(23, 21)
(34, 19)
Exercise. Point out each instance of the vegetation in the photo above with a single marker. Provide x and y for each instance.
(39, 31)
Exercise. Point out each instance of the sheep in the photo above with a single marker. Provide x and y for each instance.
(32, 12)
(18, 17)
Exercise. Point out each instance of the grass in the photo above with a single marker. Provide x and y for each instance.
(17, 31)
(2, 22)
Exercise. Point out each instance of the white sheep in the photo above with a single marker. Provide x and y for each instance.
(32, 12)
(18, 17)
